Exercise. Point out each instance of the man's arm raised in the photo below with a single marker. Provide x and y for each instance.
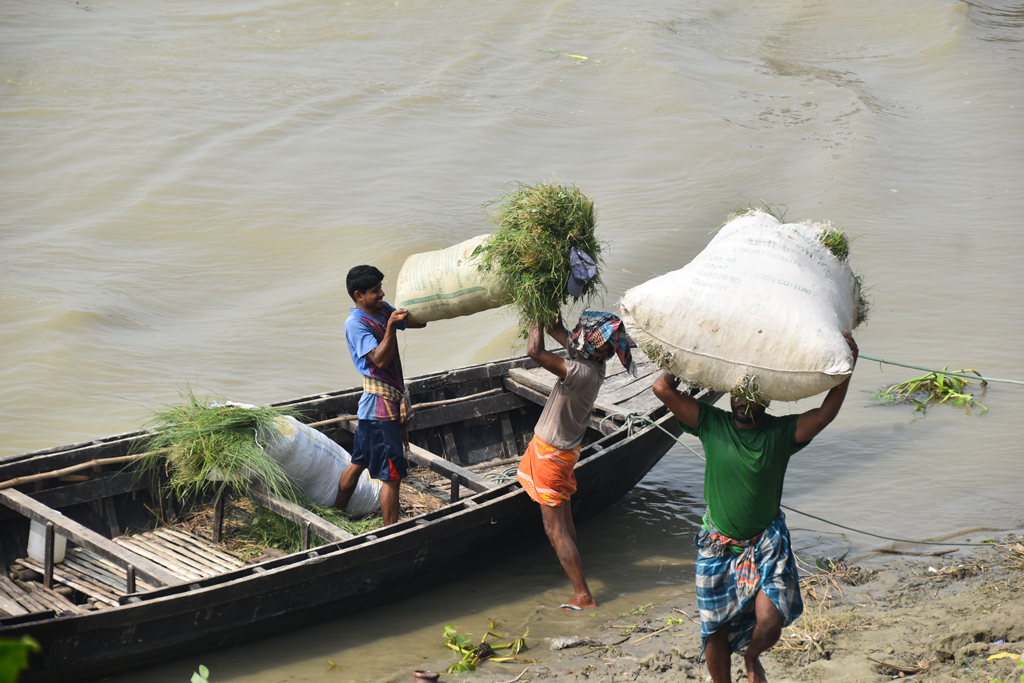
(685, 407)
(535, 349)
(810, 424)
(381, 355)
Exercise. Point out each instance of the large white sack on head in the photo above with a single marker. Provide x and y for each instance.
(762, 308)
(315, 463)
(446, 283)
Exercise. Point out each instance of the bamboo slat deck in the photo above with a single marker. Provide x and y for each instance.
(188, 558)
(33, 597)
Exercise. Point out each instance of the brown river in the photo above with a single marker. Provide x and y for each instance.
(183, 186)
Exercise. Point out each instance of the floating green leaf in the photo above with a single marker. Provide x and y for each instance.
(935, 387)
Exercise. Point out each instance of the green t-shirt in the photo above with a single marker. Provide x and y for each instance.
(745, 469)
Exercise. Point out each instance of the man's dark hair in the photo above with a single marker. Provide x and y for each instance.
(361, 279)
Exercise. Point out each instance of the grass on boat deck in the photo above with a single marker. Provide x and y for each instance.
(254, 533)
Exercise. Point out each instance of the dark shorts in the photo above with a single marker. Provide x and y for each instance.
(378, 447)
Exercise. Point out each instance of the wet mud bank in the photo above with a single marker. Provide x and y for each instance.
(937, 618)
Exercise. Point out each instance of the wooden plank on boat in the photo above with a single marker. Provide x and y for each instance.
(84, 536)
(508, 436)
(182, 571)
(471, 480)
(202, 545)
(95, 560)
(209, 564)
(80, 583)
(8, 602)
(531, 380)
(494, 401)
(207, 559)
(451, 449)
(320, 526)
(55, 601)
(627, 391)
(22, 596)
(110, 517)
(166, 557)
(457, 399)
(99, 576)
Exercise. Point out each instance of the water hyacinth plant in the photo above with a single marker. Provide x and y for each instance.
(206, 446)
(529, 252)
(471, 655)
(933, 388)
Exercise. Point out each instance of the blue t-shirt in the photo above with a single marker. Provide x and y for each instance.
(363, 333)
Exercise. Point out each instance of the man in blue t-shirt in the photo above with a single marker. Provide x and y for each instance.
(370, 332)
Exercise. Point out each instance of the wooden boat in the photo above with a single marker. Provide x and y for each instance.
(128, 596)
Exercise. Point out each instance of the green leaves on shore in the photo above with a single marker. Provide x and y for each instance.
(471, 655)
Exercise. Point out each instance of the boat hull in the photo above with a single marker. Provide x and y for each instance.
(333, 580)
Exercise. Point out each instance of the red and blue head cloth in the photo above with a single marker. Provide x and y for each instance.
(595, 329)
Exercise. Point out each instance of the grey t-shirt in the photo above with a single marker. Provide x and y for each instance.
(567, 412)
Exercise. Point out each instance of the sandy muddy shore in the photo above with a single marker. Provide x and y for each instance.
(937, 618)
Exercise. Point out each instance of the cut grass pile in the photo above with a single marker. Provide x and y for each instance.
(204, 447)
(529, 252)
(250, 531)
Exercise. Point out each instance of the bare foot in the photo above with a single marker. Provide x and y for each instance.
(578, 603)
(755, 672)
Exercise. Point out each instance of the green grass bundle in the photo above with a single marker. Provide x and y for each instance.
(205, 447)
(529, 252)
(268, 529)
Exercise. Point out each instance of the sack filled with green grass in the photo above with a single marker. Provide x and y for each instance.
(205, 446)
(542, 252)
(759, 312)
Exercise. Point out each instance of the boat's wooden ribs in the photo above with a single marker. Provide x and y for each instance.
(437, 413)
(85, 537)
(299, 515)
(469, 479)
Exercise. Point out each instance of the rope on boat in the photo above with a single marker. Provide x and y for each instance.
(944, 372)
(502, 476)
(632, 419)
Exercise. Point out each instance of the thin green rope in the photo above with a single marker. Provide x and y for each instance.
(632, 420)
(868, 533)
(944, 372)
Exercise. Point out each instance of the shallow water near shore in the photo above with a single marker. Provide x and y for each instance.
(185, 186)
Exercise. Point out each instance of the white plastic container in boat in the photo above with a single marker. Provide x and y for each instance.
(37, 543)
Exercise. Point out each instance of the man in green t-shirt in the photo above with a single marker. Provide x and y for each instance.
(747, 581)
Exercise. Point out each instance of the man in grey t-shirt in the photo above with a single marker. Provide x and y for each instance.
(546, 470)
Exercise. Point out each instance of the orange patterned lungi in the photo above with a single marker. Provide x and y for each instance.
(547, 473)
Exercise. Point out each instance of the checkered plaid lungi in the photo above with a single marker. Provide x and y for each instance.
(719, 599)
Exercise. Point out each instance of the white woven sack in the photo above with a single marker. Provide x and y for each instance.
(442, 284)
(761, 310)
(315, 463)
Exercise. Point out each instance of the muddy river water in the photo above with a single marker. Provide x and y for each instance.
(183, 186)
